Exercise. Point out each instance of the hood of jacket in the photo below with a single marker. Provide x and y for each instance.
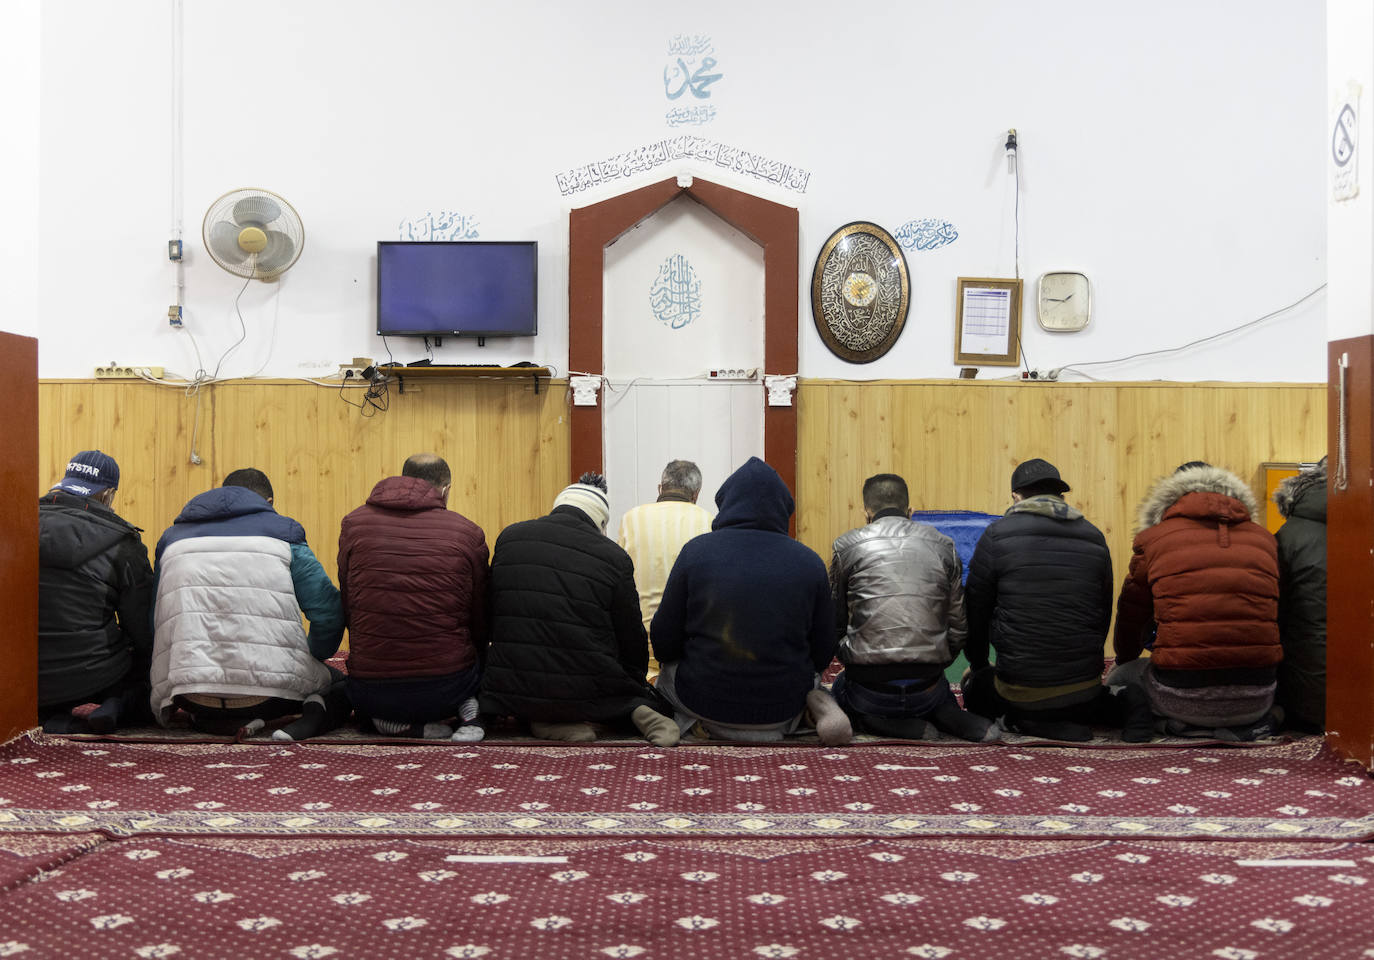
(1045, 505)
(222, 503)
(1304, 495)
(1225, 497)
(405, 493)
(89, 528)
(753, 498)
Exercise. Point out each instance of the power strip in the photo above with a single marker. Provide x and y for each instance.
(118, 371)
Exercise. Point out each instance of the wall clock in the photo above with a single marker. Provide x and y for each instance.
(860, 292)
(1064, 303)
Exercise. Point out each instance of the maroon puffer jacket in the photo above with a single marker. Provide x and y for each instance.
(413, 575)
(1205, 573)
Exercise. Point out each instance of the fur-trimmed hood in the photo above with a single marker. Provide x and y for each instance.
(1295, 489)
(1204, 479)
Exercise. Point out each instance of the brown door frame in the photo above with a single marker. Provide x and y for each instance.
(772, 226)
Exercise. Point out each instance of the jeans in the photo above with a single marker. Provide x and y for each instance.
(904, 714)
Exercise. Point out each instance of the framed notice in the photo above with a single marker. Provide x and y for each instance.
(987, 326)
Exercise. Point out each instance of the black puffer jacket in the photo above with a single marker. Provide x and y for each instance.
(567, 638)
(1302, 598)
(1040, 592)
(95, 598)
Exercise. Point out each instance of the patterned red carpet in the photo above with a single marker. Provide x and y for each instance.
(1296, 790)
(189, 850)
(681, 899)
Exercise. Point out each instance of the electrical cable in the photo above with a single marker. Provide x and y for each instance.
(243, 330)
(1201, 340)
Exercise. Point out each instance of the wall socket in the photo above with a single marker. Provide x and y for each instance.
(354, 370)
(732, 373)
(119, 371)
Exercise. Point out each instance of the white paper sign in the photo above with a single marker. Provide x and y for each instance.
(1345, 145)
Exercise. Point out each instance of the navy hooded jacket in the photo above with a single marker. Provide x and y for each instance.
(746, 611)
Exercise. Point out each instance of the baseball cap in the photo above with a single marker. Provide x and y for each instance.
(1034, 471)
(88, 473)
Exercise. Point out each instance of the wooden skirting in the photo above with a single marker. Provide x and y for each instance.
(955, 442)
(507, 446)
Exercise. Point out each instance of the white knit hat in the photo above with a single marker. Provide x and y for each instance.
(589, 499)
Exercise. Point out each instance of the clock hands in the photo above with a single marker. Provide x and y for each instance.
(1059, 299)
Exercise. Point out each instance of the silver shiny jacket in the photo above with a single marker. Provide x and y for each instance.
(898, 594)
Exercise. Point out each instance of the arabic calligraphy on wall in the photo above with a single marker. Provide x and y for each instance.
(675, 294)
(659, 152)
(926, 234)
(689, 72)
(444, 225)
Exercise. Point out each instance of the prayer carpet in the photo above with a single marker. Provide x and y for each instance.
(1297, 790)
(555, 899)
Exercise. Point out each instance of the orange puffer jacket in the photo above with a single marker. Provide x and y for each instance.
(1204, 575)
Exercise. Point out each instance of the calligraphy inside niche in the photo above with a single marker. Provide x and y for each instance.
(675, 294)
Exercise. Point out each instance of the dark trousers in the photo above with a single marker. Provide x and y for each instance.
(413, 699)
(1063, 718)
(902, 709)
(226, 721)
(121, 704)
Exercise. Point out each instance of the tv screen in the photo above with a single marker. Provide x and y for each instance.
(457, 288)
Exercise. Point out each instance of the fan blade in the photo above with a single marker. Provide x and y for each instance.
(256, 209)
(224, 243)
(278, 253)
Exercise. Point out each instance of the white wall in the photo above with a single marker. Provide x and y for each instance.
(19, 76)
(1173, 151)
(1350, 220)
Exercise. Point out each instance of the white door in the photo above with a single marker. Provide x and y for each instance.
(683, 296)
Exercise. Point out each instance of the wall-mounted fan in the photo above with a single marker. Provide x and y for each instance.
(253, 233)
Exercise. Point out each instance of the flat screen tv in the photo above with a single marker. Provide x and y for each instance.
(460, 288)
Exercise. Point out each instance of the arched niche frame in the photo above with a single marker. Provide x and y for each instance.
(773, 226)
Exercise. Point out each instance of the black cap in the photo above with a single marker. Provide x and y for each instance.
(1035, 471)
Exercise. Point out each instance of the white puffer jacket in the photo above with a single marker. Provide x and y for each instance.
(227, 624)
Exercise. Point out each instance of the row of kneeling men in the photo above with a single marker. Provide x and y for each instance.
(556, 625)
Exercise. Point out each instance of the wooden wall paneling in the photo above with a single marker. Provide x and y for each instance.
(956, 443)
(19, 473)
(1349, 559)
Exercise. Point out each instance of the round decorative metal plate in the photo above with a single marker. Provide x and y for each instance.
(860, 292)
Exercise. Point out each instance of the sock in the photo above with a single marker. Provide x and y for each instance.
(832, 725)
(105, 718)
(659, 730)
(469, 733)
(468, 711)
(310, 723)
(400, 728)
(66, 723)
(570, 732)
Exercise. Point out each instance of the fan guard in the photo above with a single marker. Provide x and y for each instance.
(253, 234)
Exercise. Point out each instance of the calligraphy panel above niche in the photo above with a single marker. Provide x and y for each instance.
(860, 292)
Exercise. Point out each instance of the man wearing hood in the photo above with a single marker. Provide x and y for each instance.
(746, 624)
(413, 579)
(1202, 592)
(1039, 592)
(567, 646)
(95, 600)
(1302, 598)
(233, 578)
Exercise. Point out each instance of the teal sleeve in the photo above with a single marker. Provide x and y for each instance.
(319, 601)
